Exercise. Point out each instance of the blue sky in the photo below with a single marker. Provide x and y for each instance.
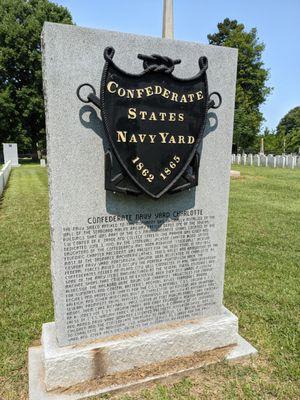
(277, 22)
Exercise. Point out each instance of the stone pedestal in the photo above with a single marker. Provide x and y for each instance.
(126, 360)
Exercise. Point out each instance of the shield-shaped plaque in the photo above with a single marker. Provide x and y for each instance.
(154, 120)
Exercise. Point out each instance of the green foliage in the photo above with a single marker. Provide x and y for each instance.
(21, 98)
(289, 130)
(286, 138)
(273, 144)
(251, 89)
(293, 141)
(289, 122)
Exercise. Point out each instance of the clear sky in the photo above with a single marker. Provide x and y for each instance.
(277, 22)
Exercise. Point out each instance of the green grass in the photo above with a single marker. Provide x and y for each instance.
(261, 286)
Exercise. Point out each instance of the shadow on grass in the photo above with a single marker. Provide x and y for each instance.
(27, 161)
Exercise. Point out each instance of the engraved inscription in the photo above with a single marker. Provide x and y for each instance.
(137, 270)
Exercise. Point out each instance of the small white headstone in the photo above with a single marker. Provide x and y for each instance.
(250, 159)
(280, 161)
(290, 161)
(271, 161)
(256, 160)
(10, 152)
(263, 160)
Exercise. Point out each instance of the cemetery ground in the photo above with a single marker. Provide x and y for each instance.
(261, 286)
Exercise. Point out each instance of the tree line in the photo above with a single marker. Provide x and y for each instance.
(21, 95)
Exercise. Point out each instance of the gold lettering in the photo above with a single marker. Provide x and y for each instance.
(130, 93)
(132, 113)
(180, 117)
(199, 95)
(157, 89)
(181, 139)
(162, 116)
(174, 96)
(132, 139)
(191, 97)
(152, 117)
(139, 92)
(183, 99)
(109, 86)
(172, 117)
(122, 136)
(191, 139)
(166, 93)
(142, 137)
(143, 114)
(149, 91)
(152, 138)
(121, 92)
(172, 139)
(163, 136)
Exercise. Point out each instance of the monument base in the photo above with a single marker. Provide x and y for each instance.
(235, 174)
(124, 361)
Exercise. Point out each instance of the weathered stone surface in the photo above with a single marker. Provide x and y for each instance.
(121, 263)
(37, 389)
(10, 153)
(66, 366)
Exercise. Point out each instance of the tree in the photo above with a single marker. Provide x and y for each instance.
(251, 89)
(21, 96)
(289, 130)
(289, 122)
(272, 142)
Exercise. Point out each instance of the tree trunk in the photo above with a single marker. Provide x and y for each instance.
(34, 153)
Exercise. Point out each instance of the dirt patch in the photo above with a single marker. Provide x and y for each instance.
(182, 366)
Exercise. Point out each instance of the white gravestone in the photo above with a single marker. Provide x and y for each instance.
(238, 158)
(244, 159)
(263, 160)
(271, 161)
(256, 160)
(280, 161)
(250, 159)
(10, 152)
(290, 161)
(42, 162)
(130, 270)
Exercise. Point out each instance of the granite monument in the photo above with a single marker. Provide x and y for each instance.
(137, 281)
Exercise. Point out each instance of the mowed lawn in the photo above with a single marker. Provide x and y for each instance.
(261, 286)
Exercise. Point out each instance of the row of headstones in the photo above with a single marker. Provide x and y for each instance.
(4, 175)
(261, 160)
